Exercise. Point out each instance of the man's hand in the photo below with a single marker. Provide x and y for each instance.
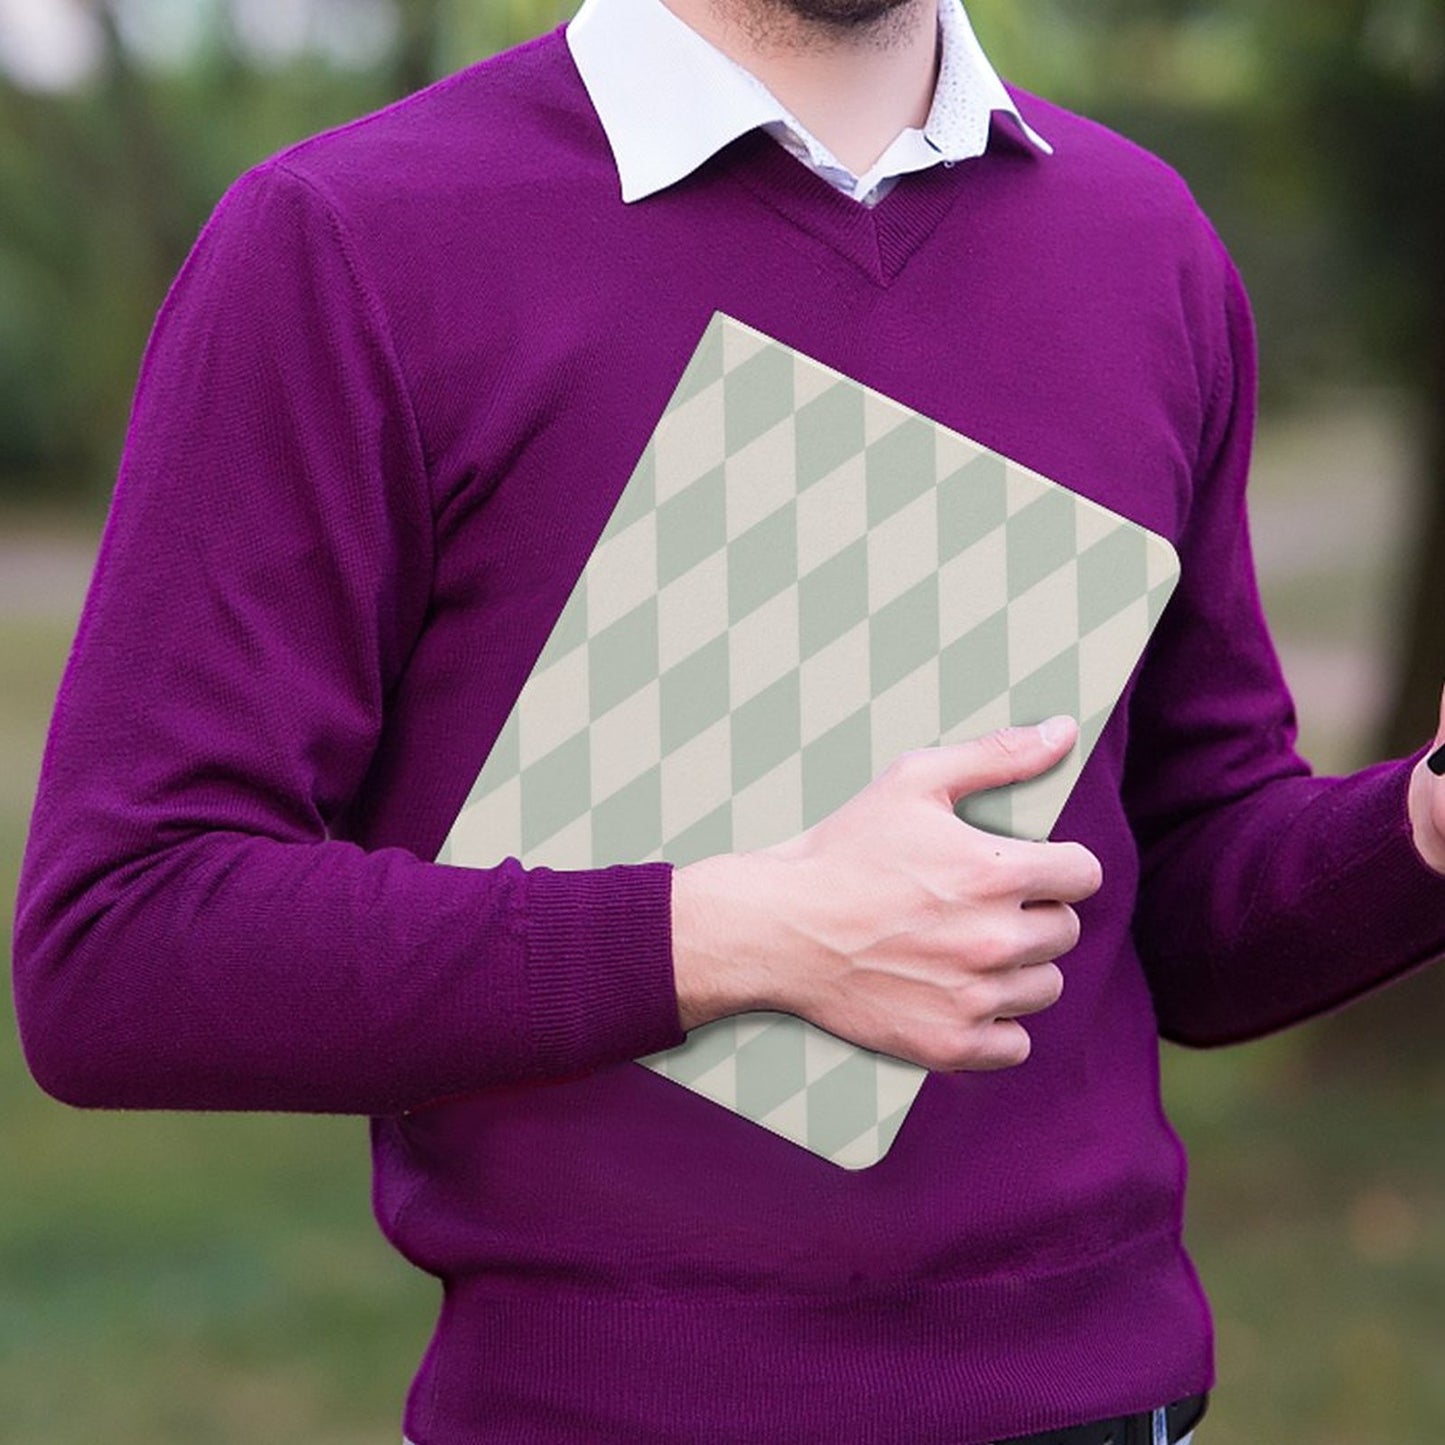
(1427, 805)
(892, 923)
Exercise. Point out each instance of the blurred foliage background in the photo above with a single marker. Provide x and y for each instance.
(186, 1279)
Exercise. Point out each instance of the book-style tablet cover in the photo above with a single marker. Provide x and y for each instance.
(802, 579)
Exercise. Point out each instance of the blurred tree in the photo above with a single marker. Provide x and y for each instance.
(418, 53)
(103, 188)
(1371, 86)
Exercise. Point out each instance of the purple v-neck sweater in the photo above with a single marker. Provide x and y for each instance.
(385, 412)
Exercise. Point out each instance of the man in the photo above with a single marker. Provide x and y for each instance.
(386, 410)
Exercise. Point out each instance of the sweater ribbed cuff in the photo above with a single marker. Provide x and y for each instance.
(1374, 871)
(599, 965)
(1403, 890)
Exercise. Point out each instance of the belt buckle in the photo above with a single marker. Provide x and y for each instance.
(1147, 1427)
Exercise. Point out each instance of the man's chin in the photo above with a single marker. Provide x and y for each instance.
(844, 14)
(777, 18)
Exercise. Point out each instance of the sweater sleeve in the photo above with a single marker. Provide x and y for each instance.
(1267, 895)
(189, 934)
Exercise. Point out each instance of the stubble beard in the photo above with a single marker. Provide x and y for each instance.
(819, 24)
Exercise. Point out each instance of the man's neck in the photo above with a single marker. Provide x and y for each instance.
(854, 87)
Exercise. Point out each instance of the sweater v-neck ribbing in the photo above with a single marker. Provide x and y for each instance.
(878, 239)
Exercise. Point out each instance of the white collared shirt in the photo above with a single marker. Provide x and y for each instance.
(668, 99)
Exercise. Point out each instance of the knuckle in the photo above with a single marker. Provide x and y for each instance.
(994, 946)
(1052, 979)
(905, 765)
(931, 905)
(1006, 742)
(1090, 871)
(1034, 988)
(938, 1047)
(1023, 1045)
(1009, 1045)
(1070, 928)
(990, 1045)
(993, 870)
(988, 1000)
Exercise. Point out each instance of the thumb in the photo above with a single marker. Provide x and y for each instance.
(1008, 755)
(1436, 760)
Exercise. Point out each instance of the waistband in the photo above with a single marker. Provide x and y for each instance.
(1163, 1426)
(539, 1362)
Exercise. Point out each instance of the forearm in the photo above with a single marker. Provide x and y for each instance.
(1287, 904)
(238, 972)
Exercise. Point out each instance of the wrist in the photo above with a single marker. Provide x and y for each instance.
(719, 949)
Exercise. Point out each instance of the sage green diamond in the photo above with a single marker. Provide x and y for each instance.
(972, 502)
(1112, 573)
(991, 811)
(706, 1050)
(903, 634)
(694, 694)
(837, 764)
(846, 1094)
(1053, 688)
(623, 658)
(833, 598)
(762, 562)
(765, 730)
(972, 671)
(1041, 538)
(757, 394)
(704, 839)
(628, 825)
(691, 526)
(899, 466)
(888, 1127)
(828, 431)
(771, 1068)
(556, 790)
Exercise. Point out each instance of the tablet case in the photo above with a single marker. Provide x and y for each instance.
(802, 579)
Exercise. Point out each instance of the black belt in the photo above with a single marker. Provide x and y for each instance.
(1180, 1418)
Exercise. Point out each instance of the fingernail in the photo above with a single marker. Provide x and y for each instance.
(1055, 729)
(1436, 762)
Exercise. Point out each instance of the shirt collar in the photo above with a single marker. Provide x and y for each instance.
(668, 99)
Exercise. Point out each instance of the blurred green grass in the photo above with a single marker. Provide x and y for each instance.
(213, 1279)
